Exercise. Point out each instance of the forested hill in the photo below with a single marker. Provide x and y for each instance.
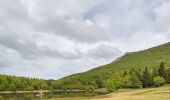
(150, 58)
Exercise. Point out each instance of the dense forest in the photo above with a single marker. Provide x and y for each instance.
(12, 83)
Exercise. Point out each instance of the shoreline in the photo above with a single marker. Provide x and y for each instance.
(35, 91)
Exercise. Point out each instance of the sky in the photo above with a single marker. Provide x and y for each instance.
(51, 39)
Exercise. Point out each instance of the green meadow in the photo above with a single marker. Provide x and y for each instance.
(160, 93)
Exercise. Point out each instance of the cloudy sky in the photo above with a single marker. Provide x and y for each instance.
(51, 39)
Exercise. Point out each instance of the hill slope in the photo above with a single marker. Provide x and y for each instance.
(151, 58)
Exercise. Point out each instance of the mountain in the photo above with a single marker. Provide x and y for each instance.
(150, 58)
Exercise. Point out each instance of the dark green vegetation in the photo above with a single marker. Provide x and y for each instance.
(12, 83)
(133, 70)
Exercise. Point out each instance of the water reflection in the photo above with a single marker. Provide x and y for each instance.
(35, 96)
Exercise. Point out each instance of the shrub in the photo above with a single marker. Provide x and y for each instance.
(114, 83)
(12, 87)
(159, 81)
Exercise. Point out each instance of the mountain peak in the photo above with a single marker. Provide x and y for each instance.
(165, 44)
(168, 43)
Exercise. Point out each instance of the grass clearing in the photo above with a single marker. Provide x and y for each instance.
(160, 93)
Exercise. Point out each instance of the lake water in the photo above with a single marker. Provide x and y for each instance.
(33, 96)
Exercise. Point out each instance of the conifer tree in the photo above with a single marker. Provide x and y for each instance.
(155, 72)
(162, 71)
(139, 74)
(125, 73)
(147, 79)
(135, 81)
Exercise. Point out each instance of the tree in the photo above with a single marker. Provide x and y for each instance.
(168, 75)
(117, 80)
(159, 81)
(114, 83)
(2, 87)
(139, 74)
(110, 85)
(125, 73)
(147, 79)
(126, 82)
(155, 72)
(12, 83)
(161, 71)
(135, 81)
(12, 87)
(57, 84)
(99, 83)
(3, 83)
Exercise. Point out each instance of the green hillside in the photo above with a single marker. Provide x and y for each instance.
(150, 58)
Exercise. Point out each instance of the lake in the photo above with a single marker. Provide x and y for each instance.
(33, 96)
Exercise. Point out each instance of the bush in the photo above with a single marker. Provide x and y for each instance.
(12, 87)
(29, 88)
(2, 87)
(113, 84)
(159, 81)
(57, 85)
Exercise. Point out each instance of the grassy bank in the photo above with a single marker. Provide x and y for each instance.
(160, 93)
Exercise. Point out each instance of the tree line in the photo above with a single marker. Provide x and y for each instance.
(12, 83)
(136, 78)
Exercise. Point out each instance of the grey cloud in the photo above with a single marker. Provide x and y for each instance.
(30, 50)
(78, 31)
(104, 52)
(57, 20)
(26, 50)
(6, 57)
(123, 19)
(12, 10)
(162, 17)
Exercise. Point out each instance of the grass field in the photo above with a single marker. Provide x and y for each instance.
(161, 93)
